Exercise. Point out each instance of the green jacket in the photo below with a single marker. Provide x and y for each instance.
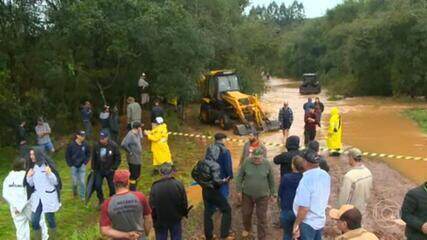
(256, 180)
(414, 212)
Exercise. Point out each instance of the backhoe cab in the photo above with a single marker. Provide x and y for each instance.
(310, 84)
(225, 105)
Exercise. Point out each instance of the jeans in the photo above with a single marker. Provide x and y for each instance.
(261, 205)
(287, 219)
(35, 218)
(135, 172)
(88, 127)
(309, 135)
(47, 147)
(99, 177)
(78, 175)
(308, 233)
(225, 191)
(175, 231)
(214, 197)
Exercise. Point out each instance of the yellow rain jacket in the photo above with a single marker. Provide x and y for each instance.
(159, 145)
(334, 140)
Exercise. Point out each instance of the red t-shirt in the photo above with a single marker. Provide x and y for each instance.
(125, 212)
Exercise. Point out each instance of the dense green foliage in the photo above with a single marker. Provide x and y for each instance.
(419, 115)
(54, 54)
(365, 47)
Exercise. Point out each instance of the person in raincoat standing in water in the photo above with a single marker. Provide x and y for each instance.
(159, 143)
(334, 140)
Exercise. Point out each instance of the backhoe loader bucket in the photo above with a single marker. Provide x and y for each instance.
(242, 129)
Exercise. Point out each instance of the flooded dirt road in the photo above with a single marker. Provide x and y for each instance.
(368, 124)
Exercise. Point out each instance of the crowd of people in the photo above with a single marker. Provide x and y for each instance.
(302, 194)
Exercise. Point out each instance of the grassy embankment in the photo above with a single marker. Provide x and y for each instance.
(419, 115)
(77, 221)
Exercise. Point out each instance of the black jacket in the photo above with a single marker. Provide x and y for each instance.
(285, 159)
(76, 154)
(168, 201)
(21, 135)
(414, 212)
(207, 173)
(111, 160)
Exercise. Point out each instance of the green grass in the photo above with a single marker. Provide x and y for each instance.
(79, 222)
(419, 115)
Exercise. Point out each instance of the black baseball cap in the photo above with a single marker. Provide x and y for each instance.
(220, 136)
(311, 156)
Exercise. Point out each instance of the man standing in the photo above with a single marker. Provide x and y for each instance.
(132, 144)
(168, 201)
(318, 108)
(105, 160)
(255, 185)
(77, 156)
(309, 104)
(222, 156)
(133, 112)
(143, 89)
(285, 159)
(286, 118)
(43, 135)
(414, 212)
(315, 147)
(22, 139)
(126, 215)
(357, 182)
(310, 121)
(86, 111)
(311, 200)
(104, 118)
(114, 124)
(207, 173)
(249, 147)
(349, 222)
(159, 143)
(334, 139)
(287, 191)
(157, 111)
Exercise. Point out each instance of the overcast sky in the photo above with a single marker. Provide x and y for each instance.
(313, 8)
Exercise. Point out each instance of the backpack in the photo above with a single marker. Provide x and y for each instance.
(201, 173)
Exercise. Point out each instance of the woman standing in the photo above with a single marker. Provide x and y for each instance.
(159, 143)
(43, 186)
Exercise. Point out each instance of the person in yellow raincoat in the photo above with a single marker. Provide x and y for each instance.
(159, 143)
(334, 140)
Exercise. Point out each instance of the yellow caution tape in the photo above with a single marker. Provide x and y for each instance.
(237, 140)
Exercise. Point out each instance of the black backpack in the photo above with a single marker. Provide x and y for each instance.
(201, 173)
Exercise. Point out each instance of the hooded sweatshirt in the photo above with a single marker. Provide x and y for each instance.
(285, 159)
(132, 144)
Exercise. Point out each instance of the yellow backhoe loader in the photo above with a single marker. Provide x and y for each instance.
(223, 103)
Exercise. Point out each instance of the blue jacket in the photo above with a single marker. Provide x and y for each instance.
(223, 157)
(86, 113)
(287, 190)
(76, 154)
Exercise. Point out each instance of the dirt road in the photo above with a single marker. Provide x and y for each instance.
(389, 185)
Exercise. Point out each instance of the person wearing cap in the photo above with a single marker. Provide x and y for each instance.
(285, 158)
(14, 193)
(43, 132)
(311, 123)
(287, 190)
(356, 184)
(127, 214)
(255, 187)
(315, 146)
(311, 199)
(77, 156)
(253, 143)
(158, 137)
(334, 139)
(105, 160)
(286, 118)
(133, 112)
(133, 147)
(157, 111)
(168, 201)
(219, 152)
(414, 212)
(349, 222)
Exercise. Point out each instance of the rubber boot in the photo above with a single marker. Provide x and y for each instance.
(53, 234)
(37, 235)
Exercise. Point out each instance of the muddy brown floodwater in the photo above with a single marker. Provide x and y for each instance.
(371, 124)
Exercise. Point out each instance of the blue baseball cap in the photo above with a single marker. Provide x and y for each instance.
(103, 134)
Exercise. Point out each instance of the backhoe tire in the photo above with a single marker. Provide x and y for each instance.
(225, 122)
(205, 114)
